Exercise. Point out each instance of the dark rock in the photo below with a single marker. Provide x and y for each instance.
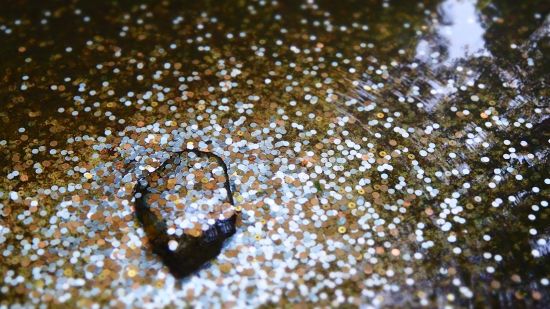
(192, 253)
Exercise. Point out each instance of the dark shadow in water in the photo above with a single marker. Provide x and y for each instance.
(192, 252)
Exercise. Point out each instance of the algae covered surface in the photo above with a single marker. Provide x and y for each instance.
(369, 153)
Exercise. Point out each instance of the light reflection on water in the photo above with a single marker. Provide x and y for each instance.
(459, 31)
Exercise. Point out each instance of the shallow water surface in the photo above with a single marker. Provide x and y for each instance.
(366, 153)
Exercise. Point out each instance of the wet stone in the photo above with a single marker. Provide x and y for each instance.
(191, 244)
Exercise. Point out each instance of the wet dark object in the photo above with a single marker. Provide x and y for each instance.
(192, 252)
